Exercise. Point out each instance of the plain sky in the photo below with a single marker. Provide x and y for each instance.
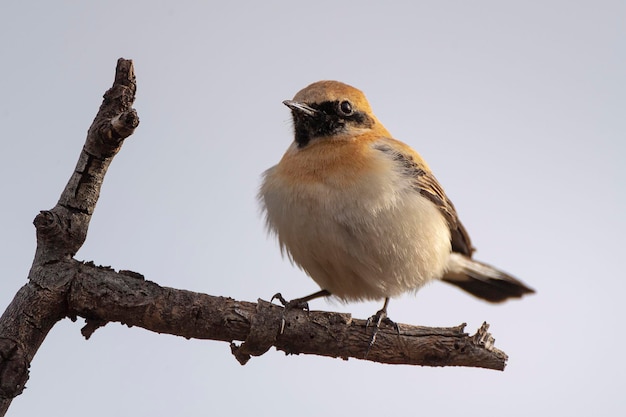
(519, 107)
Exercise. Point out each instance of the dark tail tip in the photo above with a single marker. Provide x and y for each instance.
(486, 282)
(492, 290)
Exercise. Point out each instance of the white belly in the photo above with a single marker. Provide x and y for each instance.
(368, 240)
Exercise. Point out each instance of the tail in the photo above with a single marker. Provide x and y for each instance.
(482, 280)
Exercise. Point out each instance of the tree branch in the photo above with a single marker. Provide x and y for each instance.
(60, 286)
(102, 295)
(61, 231)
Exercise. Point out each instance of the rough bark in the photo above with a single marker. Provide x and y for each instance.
(60, 286)
(102, 295)
(61, 231)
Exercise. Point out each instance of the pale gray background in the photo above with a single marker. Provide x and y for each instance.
(519, 107)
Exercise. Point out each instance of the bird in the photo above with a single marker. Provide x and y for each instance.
(362, 213)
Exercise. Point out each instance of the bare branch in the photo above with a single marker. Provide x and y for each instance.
(61, 231)
(102, 295)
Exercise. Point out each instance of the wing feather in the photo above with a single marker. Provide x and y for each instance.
(427, 185)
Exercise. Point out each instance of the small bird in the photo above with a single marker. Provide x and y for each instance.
(361, 212)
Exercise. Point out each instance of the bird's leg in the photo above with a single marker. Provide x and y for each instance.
(299, 303)
(376, 320)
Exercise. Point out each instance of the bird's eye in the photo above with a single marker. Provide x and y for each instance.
(345, 108)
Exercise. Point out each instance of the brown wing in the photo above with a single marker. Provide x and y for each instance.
(428, 186)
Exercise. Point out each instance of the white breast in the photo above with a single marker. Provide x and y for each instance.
(372, 238)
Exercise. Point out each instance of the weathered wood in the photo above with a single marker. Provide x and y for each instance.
(102, 295)
(61, 231)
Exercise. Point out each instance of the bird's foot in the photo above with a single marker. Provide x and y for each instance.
(375, 321)
(298, 303)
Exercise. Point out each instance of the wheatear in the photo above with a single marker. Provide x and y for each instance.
(362, 213)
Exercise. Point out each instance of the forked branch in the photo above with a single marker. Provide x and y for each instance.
(60, 286)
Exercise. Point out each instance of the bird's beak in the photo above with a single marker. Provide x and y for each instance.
(300, 108)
